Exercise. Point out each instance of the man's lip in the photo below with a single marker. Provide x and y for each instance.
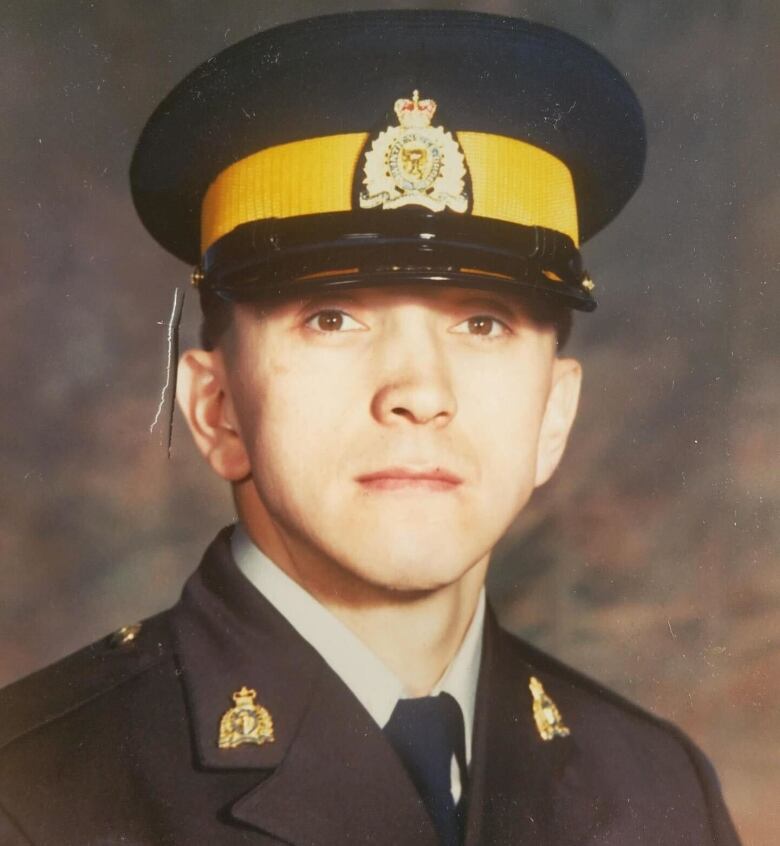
(411, 474)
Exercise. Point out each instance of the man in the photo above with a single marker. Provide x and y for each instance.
(385, 211)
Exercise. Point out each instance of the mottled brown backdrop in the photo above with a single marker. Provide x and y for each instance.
(650, 562)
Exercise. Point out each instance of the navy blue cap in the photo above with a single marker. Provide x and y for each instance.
(341, 74)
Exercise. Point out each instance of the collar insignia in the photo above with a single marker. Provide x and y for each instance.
(245, 722)
(549, 722)
(415, 163)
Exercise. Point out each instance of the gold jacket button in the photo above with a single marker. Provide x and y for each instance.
(124, 636)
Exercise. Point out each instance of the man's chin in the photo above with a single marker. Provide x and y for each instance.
(413, 573)
(404, 586)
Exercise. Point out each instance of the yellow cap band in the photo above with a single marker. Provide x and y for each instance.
(510, 180)
(519, 183)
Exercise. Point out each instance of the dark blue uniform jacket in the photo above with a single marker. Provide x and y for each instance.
(117, 744)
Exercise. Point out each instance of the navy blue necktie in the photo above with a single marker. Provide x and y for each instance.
(426, 733)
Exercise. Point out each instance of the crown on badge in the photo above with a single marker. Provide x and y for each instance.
(415, 113)
(245, 697)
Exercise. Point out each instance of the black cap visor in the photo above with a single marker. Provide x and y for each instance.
(368, 248)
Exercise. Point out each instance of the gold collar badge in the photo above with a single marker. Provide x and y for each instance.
(549, 722)
(415, 163)
(245, 722)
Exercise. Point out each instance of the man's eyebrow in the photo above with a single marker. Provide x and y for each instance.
(323, 298)
(509, 308)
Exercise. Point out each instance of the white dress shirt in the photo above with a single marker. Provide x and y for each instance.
(373, 684)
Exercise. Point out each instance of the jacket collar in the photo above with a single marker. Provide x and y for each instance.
(524, 789)
(330, 776)
(227, 636)
(514, 772)
(373, 683)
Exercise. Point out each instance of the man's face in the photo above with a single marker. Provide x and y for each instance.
(394, 433)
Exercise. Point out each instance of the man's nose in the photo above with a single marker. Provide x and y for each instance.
(414, 384)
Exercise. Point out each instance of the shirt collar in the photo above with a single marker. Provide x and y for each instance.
(375, 686)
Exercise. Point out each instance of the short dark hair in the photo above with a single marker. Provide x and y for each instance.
(542, 309)
(217, 316)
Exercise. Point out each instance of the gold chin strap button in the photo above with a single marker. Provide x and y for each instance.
(588, 284)
(124, 636)
(196, 277)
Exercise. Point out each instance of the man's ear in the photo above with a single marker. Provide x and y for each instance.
(558, 416)
(205, 402)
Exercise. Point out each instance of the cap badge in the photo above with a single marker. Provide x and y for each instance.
(415, 163)
(549, 722)
(246, 722)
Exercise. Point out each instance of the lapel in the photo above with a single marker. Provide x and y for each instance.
(329, 776)
(522, 789)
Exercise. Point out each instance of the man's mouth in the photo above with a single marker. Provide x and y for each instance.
(410, 478)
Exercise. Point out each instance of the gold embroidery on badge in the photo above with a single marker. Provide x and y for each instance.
(245, 722)
(549, 722)
(415, 163)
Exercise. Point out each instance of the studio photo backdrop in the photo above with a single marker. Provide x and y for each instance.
(650, 562)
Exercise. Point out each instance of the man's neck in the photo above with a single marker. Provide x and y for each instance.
(415, 637)
(415, 634)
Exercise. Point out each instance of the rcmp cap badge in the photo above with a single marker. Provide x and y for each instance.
(246, 722)
(415, 163)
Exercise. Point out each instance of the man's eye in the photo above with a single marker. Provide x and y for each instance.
(481, 324)
(333, 320)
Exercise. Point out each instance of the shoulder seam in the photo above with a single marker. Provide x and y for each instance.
(81, 702)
